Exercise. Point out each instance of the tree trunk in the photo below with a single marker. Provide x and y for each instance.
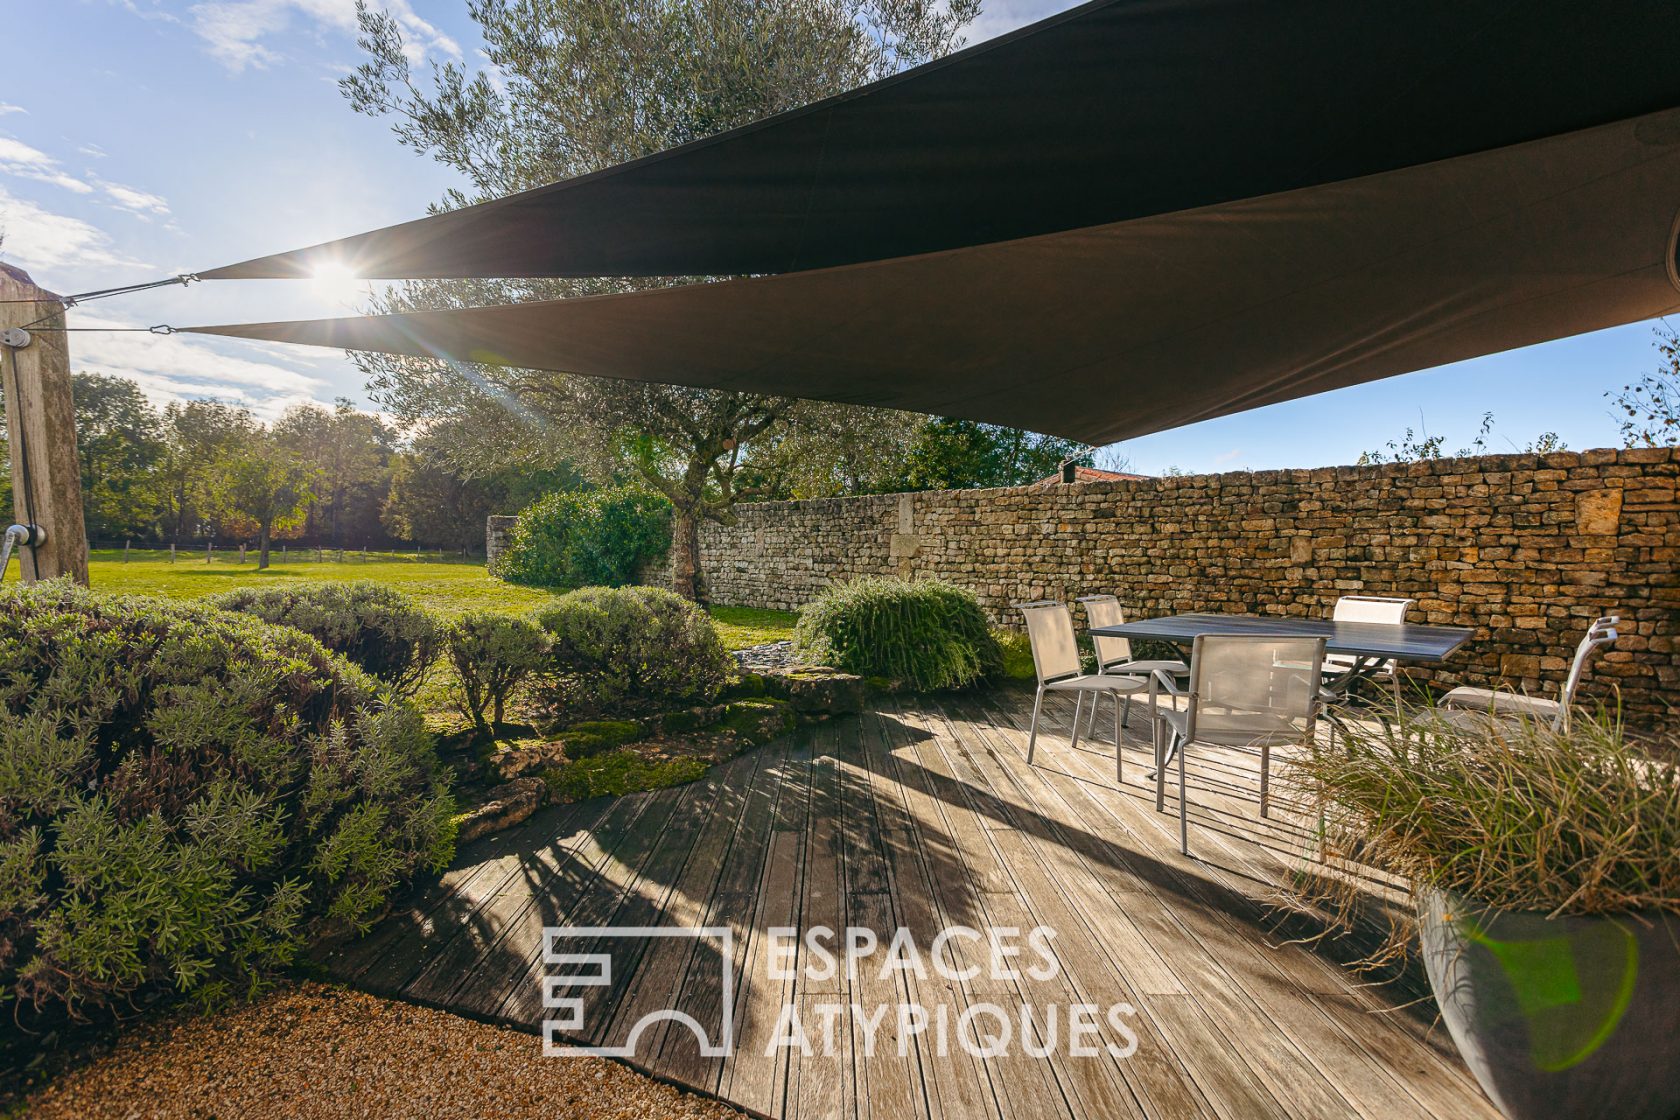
(687, 579)
(262, 547)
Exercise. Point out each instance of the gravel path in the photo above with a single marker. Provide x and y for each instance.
(314, 1051)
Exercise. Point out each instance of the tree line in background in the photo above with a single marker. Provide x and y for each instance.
(339, 477)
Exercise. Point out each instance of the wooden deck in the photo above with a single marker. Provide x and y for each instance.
(921, 816)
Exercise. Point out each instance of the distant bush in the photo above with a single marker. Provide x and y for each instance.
(377, 627)
(1016, 653)
(493, 654)
(628, 650)
(923, 634)
(592, 538)
(188, 796)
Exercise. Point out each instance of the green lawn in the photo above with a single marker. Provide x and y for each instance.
(446, 586)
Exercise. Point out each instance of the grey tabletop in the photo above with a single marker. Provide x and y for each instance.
(1359, 639)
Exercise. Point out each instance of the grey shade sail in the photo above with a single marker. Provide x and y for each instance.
(1111, 112)
(1133, 327)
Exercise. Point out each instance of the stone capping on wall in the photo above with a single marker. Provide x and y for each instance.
(1527, 549)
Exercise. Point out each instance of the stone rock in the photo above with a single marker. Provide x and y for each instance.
(1599, 512)
(816, 690)
(504, 806)
(518, 761)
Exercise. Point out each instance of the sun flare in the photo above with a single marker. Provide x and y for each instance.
(337, 282)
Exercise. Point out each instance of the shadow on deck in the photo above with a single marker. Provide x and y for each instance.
(921, 816)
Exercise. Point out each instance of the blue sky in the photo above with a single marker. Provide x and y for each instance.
(139, 138)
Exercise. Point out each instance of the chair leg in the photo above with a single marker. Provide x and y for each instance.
(1091, 720)
(1126, 712)
(1265, 777)
(1183, 804)
(1119, 776)
(1163, 748)
(1078, 710)
(1032, 736)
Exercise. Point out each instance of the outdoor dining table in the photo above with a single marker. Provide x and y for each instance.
(1368, 644)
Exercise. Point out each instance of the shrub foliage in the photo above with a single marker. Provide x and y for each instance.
(627, 650)
(923, 634)
(493, 654)
(377, 627)
(187, 796)
(586, 538)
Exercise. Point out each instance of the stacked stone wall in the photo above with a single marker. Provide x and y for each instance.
(1525, 549)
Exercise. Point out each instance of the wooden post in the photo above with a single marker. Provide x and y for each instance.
(125, 550)
(209, 552)
(172, 553)
(41, 425)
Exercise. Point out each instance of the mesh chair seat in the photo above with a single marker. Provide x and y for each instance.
(1486, 701)
(1178, 719)
(1098, 682)
(1172, 668)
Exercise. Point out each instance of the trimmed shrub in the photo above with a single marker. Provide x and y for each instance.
(630, 650)
(493, 654)
(188, 796)
(586, 539)
(921, 634)
(379, 629)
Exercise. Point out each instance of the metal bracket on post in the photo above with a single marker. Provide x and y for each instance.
(30, 535)
(15, 337)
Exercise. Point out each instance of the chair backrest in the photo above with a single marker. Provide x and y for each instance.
(1371, 608)
(1253, 684)
(1050, 629)
(1599, 635)
(1104, 610)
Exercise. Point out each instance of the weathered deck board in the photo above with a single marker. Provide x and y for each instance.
(922, 815)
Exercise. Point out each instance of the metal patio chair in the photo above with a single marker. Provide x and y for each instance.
(1366, 608)
(1245, 691)
(1056, 664)
(1465, 704)
(1114, 656)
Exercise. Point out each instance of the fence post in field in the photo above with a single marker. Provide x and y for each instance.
(41, 421)
(242, 554)
(209, 552)
(282, 554)
(125, 551)
(172, 554)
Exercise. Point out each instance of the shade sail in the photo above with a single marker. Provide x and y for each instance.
(1118, 110)
(1132, 327)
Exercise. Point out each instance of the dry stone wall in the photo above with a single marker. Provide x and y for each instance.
(1526, 549)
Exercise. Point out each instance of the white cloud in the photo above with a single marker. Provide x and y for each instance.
(7, 108)
(171, 368)
(133, 199)
(235, 30)
(20, 160)
(36, 237)
(24, 162)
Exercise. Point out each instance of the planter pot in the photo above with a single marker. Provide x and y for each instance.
(1560, 1017)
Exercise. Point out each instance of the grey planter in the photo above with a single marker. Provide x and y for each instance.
(1560, 1017)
